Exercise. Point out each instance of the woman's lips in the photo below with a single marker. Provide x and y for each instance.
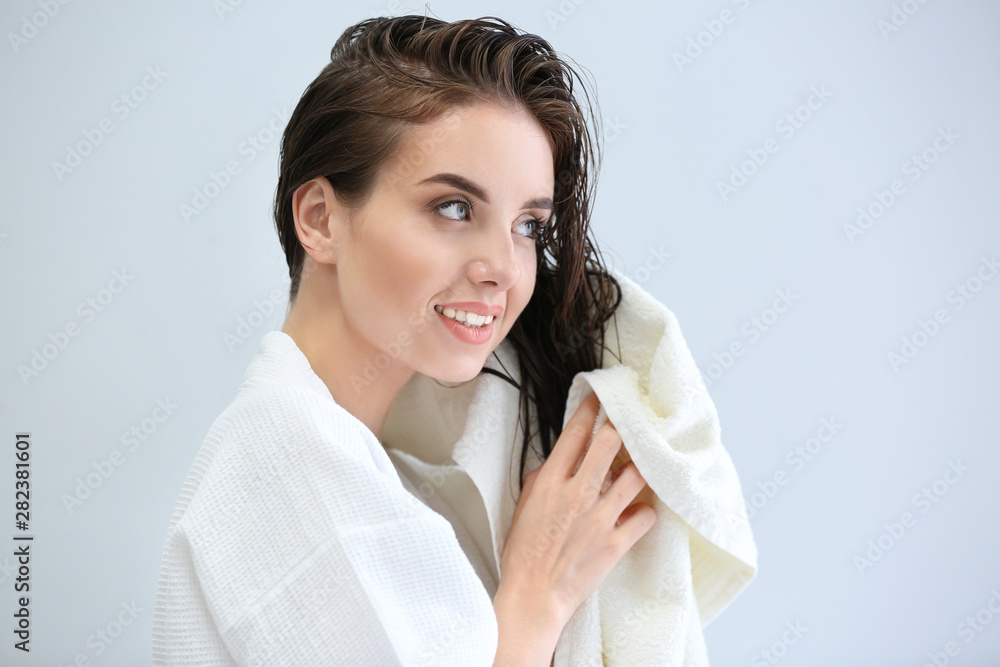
(466, 334)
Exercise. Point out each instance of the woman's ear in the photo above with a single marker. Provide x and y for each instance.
(317, 212)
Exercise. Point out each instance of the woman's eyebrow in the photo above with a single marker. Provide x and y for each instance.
(465, 184)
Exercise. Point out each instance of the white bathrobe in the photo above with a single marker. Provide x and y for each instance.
(294, 540)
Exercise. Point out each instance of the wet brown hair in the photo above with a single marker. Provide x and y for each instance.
(387, 74)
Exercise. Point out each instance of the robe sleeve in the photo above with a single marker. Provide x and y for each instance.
(307, 549)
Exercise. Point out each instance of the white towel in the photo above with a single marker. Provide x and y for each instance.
(700, 553)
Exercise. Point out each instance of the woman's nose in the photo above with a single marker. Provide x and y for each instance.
(496, 259)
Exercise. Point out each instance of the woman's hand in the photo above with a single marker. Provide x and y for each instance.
(644, 496)
(566, 534)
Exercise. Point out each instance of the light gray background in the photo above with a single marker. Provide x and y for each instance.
(671, 134)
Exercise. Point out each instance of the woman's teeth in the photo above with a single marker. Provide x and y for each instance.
(470, 320)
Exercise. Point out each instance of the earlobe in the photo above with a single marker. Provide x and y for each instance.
(313, 208)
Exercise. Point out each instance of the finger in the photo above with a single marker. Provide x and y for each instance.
(574, 438)
(602, 451)
(633, 523)
(624, 489)
(621, 459)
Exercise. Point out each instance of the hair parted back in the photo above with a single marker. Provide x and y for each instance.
(386, 75)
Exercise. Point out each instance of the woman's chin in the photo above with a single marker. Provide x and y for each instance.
(457, 373)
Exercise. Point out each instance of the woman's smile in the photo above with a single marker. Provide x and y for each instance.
(465, 317)
(475, 334)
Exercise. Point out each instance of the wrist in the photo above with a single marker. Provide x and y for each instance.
(534, 624)
(529, 608)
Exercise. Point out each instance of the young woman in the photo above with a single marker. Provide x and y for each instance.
(433, 203)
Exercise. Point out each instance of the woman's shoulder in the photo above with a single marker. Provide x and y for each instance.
(282, 400)
(279, 409)
(280, 429)
(266, 411)
(285, 495)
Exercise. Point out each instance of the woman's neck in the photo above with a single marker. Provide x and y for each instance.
(342, 358)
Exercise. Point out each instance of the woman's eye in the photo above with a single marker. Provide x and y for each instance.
(535, 225)
(455, 205)
(464, 209)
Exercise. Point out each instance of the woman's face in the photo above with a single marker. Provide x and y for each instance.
(450, 224)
